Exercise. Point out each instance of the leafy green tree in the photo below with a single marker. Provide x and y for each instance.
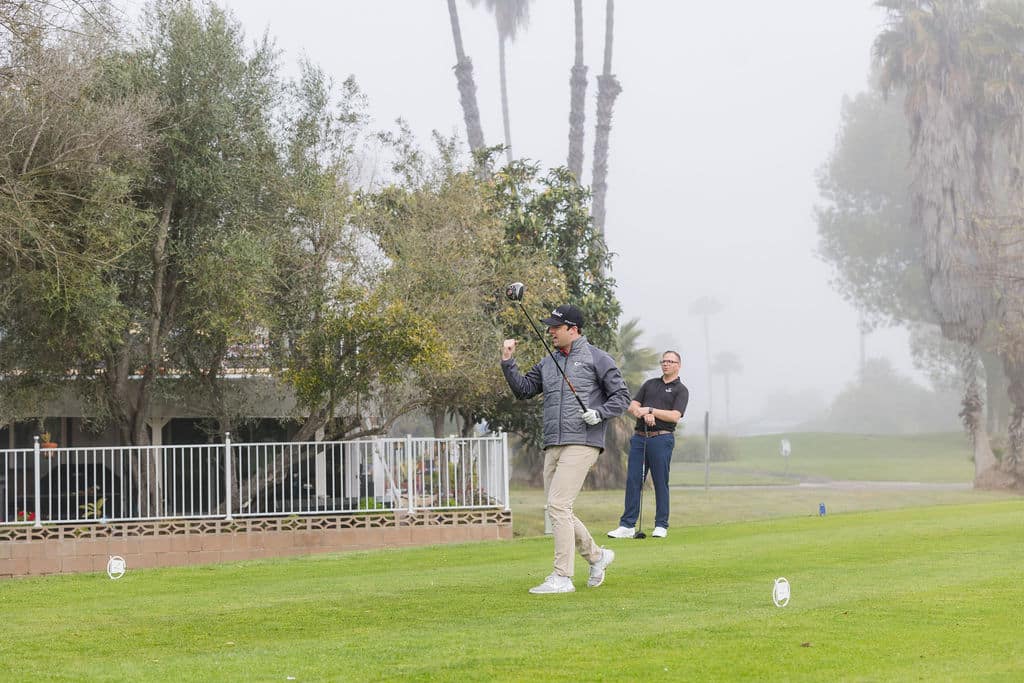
(24, 22)
(450, 264)
(550, 215)
(339, 340)
(361, 344)
(67, 176)
(864, 222)
(209, 192)
(206, 192)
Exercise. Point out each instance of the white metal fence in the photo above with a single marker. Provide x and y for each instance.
(228, 480)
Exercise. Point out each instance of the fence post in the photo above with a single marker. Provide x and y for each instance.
(505, 467)
(707, 448)
(412, 472)
(227, 472)
(447, 486)
(39, 501)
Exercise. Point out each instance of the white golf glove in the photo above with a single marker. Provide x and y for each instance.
(590, 416)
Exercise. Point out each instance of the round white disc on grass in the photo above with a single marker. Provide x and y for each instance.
(780, 594)
(116, 567)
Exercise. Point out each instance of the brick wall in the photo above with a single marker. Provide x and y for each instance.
(70, 548)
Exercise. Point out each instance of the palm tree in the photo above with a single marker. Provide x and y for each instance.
(726, 364)
(467, 87)
(923, 49)
(634, 361)
(577, 97)
(996, 43)
(510, 15)
(608, 89)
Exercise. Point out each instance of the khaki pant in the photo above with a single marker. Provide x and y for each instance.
(565, 468)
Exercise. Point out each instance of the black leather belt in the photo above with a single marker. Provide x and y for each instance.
(657, 433)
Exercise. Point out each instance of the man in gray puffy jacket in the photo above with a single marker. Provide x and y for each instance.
(573, 437)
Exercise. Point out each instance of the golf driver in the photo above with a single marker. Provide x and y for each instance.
(514, 292)
(640, 518)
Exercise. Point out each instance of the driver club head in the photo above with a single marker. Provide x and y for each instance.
(515, 291)
(638, 535)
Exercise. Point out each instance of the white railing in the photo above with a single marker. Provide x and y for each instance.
(226, 480)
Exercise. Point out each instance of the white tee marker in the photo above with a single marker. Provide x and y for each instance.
(116, 567)
(780, 595)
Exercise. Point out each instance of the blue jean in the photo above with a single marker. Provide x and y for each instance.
(659, 459)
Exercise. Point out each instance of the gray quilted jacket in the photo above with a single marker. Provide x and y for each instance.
(597, 380)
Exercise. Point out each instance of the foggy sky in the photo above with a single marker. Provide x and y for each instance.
(727, 111)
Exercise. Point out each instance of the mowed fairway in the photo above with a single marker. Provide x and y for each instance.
(934, 458)
(927, 593)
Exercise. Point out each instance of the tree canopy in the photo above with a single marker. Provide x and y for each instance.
(175, 215)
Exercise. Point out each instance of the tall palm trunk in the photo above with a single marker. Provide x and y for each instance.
(467, 87)
(971, 413)
(608, 89)
(1015, 430)
(996, 399)
(577, 98)
(504, 98)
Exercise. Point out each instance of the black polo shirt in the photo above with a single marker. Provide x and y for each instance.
(660, 396)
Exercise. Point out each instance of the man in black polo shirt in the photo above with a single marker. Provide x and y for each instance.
(658, 407)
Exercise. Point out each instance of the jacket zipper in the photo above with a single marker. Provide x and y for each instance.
(561, 388)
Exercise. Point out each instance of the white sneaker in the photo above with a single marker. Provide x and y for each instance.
(597, 569)
(659, 532)
(554, 584)
(621, 532)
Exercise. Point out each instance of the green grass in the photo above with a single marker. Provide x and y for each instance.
(928, 593)
(600, 510)
(934, 458)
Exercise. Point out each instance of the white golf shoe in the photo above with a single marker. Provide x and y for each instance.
(659, 532)
(554, 583)
(621, 532)
(597, 569)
